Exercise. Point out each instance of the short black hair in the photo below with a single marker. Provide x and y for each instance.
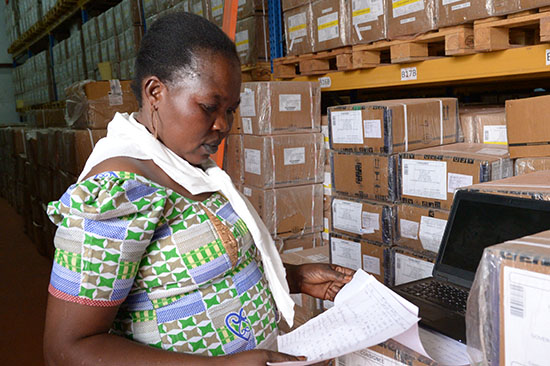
(172, 42)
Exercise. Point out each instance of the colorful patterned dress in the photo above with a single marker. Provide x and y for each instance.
(186, 274)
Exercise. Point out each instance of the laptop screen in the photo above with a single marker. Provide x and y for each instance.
(480, 220)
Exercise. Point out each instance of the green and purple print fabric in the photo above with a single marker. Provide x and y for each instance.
(123, 240)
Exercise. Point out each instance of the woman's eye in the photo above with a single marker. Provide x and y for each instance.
(209, 108)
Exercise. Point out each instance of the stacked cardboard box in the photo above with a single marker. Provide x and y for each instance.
(33, 82)
(276, 157)
(365, 141)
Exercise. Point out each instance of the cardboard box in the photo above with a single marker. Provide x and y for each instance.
(299, 30)
(411, 17)
(327, 219)
(429, 177)
(355, 253)
(215, 11)
(289, 211)
(530, 165)
(252, 39)
(394, 125)
(280, 107)
(503, 7)
(367, 176)
(460, 11)
(420, 228)
(248, 8)
(331, 24)
(386, 353)
(533, 4)
(42, 147)
(291, 4)
(233, 158)
(484, 125)
(368, 21)
(300, 243)
(283, 160)
(528, 125)
(93, 104)
(409, 265)
(307, 307)
(533, 186)
(77, 147)
(369, 220)
(200, 7)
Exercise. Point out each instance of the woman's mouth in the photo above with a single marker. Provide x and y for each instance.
(210, 148)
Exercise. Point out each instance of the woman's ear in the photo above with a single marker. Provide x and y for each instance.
(153, 90)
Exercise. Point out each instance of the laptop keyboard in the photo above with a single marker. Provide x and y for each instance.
(446, 295)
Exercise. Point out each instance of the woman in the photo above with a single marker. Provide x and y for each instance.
(159, 260)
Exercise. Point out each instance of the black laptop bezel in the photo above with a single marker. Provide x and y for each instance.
(444, 272)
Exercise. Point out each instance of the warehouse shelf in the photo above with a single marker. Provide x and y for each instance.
(512, 64)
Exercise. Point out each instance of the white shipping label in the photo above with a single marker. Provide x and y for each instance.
(460, 6)
(370, 222)
(327, 184)
(526, 296)
(346, 253)
(247, 192)
(448, 2)
(326, 224)
(495, 135)
(247, 125)
(347, 127)
(324, 131)
(297, 298)
(252, 161)
(290, 102)
(217, 8)
(371, 264)
(364, 11)
(248, 104)
(404, 7)
(431, 232)
(241, 41)
(409, 269)
(492, 151)
(367, 357)
(373, 128)
(424, 178)
(456, 181)
(408, 229)
(197, 8)
(407, 20)
(297, 26)
(327, 27)
(241, 3)
(294, 156)
(346, 216)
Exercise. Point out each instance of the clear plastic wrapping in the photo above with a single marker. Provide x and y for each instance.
(291, 4)
(280, 107)
(368, 20)
(232, 158)
(507, 311)
(531, 165)
(93, 104)
(289, 211)
(393, 126)
(484, 125)
(299, 30)
(331, 24)
(299, 243)
(449, 167)
(410, 18)
(252, 39)
(369, 220)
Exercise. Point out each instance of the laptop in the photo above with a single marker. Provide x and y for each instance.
(476, 221)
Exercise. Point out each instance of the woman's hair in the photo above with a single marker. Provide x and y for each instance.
(171, 45)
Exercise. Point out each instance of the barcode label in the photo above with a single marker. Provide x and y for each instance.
(486, 135)
(398, 263)
(517, 300)
(405, 170)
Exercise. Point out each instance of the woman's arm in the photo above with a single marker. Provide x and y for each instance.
(78, 335)
(319, 280)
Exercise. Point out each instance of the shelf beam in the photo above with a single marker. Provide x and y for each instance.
(516, 63)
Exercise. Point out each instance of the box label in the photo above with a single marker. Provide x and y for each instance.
(409, 269)
(346, 253)
(290, 102)
(197, 8)
(241, 41)
(404, 7)
(407, 20)
(427, 179)
(370, 222)
(324, 131)
(373, 128)
(294, 156)
(456, 181)
(247, 125)
(495, 135)
(408, 229)
(347, 127)
(248, 104)
(364, 11)
(367, 357)
(252, 161)
(247, 192)
(327, 27)
(492, 151)
(327, 184)
(217, 8)
(449, 2)
(371, 264)
(346, 216)
(431, 232)
(526, 297)
(460, 6)
(297, 26)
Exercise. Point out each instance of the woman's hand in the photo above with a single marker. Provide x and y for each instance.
(319, 280)
(259, 357)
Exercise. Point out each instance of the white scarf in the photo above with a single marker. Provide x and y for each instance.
(127, 137)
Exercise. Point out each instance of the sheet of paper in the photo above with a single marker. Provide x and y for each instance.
(446, 351)
(368, 317)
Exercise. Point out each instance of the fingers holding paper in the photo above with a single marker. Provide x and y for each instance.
(320, 280)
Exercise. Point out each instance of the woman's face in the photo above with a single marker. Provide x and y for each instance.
(196, 112)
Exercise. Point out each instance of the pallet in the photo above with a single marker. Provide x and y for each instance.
(339, 59)
(516, 30)
(260, 71)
